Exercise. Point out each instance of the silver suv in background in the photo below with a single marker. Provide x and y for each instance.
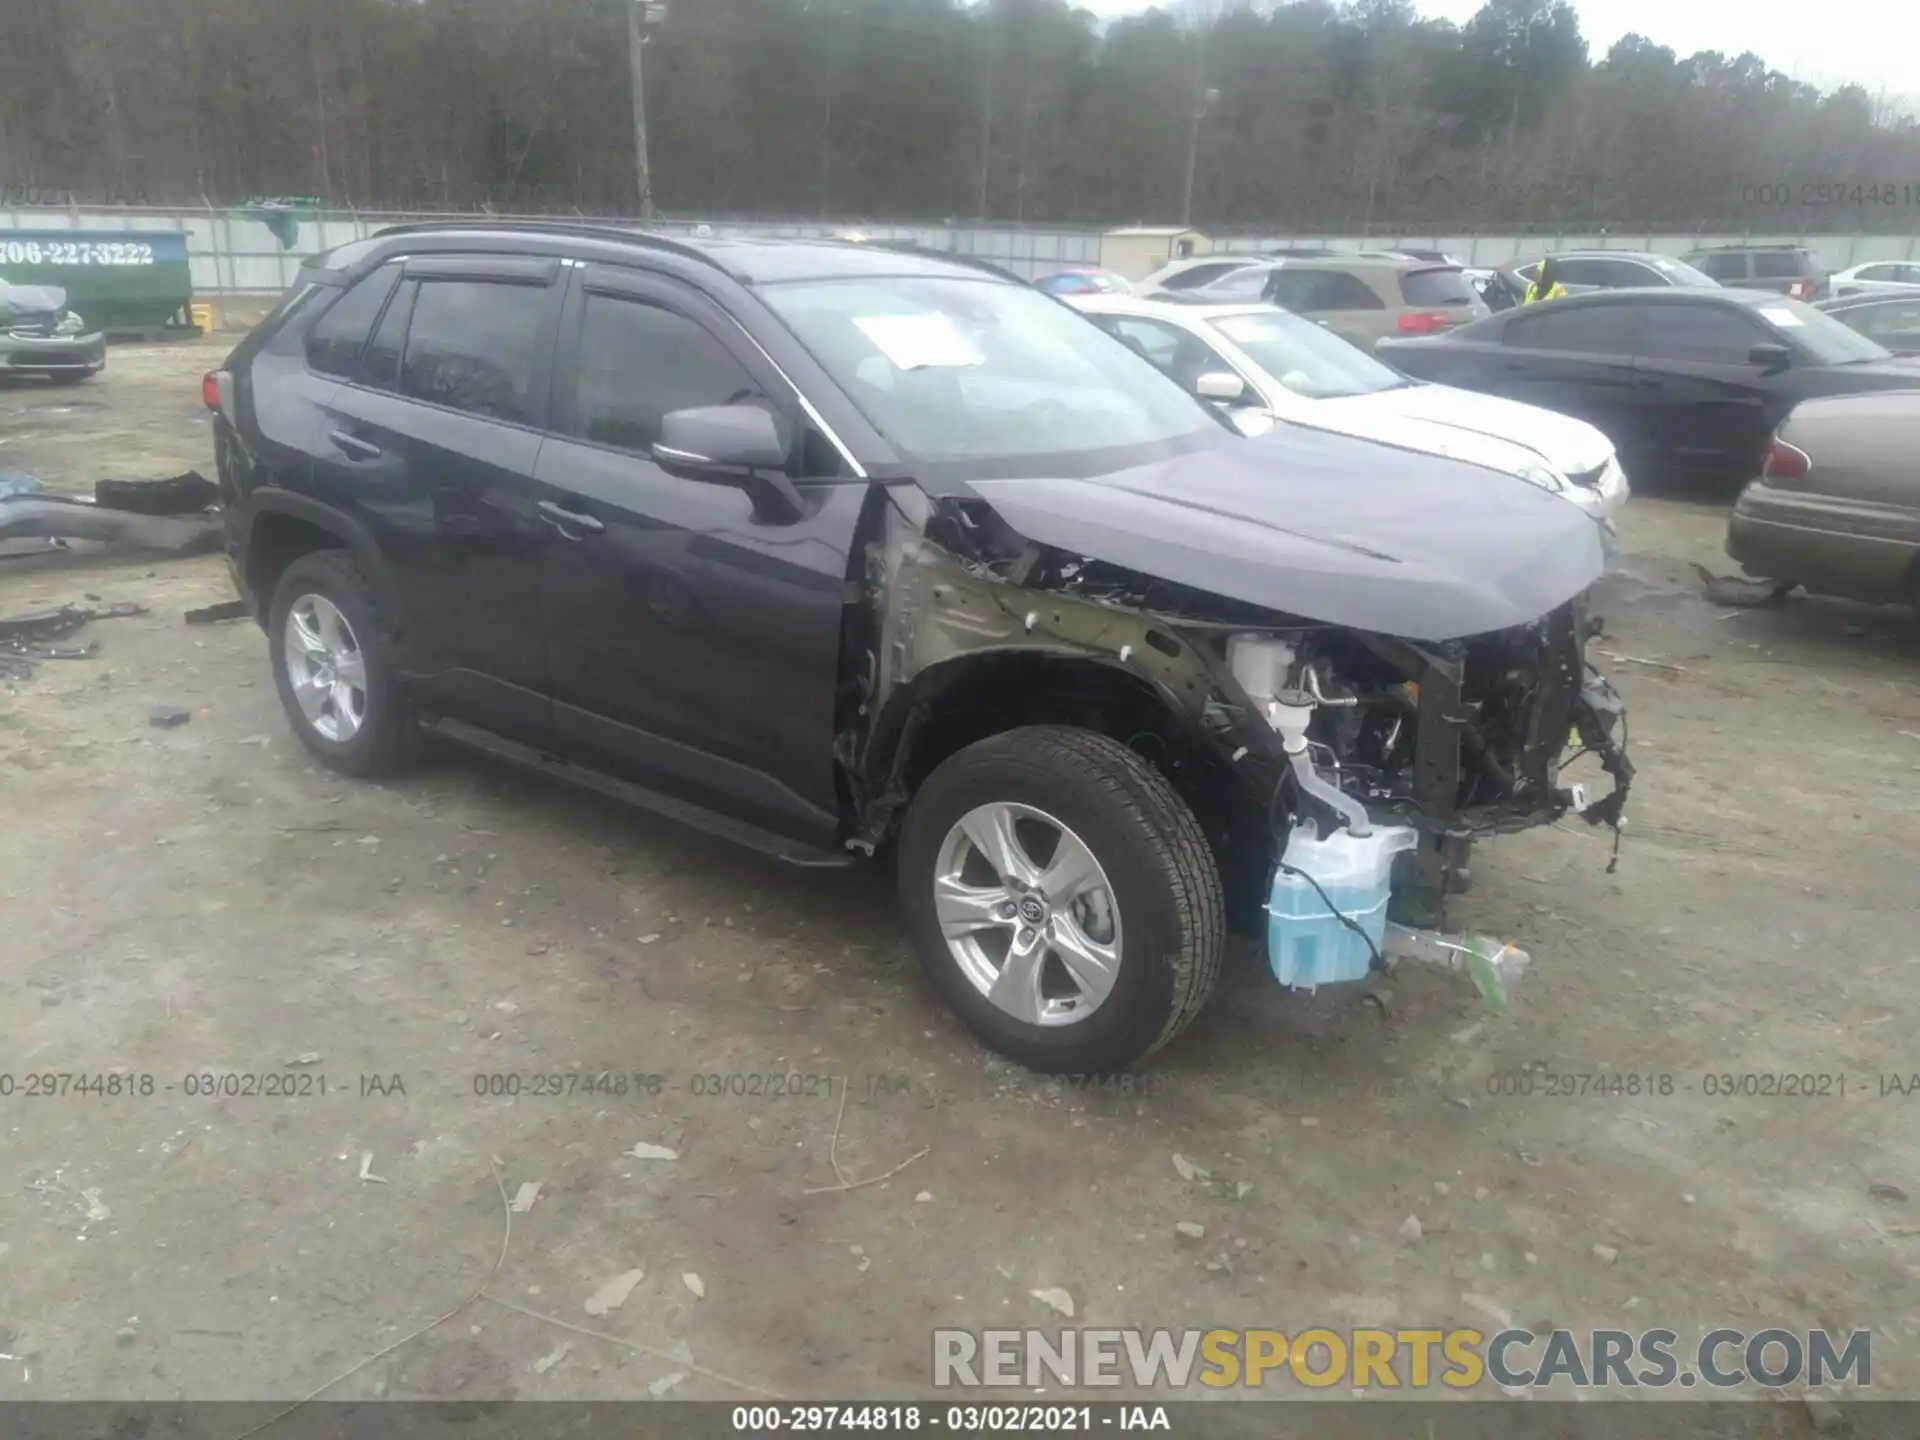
(1612, 270)
(1794, 270)
(1363, 301)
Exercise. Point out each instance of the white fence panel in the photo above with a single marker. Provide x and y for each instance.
(230, 252)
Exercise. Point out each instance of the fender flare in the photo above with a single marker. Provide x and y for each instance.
(893, 732)
(272, 500)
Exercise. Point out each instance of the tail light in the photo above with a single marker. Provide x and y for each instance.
(210, 390)
(1423, 322)
(1786, 463)
(1800, 290)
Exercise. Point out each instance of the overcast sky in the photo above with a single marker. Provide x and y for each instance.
(1871, 42)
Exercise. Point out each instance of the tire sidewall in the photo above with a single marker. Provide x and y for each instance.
(1136, 1011)
(331, 575)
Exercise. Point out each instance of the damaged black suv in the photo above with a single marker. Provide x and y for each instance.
(836, 550)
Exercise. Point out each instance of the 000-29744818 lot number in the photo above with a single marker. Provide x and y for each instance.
(913, 1419)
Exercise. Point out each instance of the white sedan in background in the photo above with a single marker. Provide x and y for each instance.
(1260, 361)
(1876, 277)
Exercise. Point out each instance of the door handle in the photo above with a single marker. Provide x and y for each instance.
(1648, 382)
(354, 445)
(567, 519)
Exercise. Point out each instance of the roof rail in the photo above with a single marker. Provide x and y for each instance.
(914, 247)
(584, 229)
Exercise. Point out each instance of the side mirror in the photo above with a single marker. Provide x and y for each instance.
(1769, 357)
(1221, 386)
(730, 445)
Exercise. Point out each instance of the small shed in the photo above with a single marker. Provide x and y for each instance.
(1136, 251)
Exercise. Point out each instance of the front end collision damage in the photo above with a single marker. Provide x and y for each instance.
(1456, 738)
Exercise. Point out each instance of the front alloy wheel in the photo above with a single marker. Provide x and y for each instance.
(1062, 898)
(1028, 914)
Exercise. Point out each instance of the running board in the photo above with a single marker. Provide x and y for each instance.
(740, 832)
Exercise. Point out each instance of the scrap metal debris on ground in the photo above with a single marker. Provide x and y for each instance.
(23, 637)
(214, 614)
(188, 493)
(175, 514)
(1741, 590)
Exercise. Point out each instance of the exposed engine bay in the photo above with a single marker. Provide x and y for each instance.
(1262, 720)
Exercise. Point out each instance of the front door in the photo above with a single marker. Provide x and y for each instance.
(1577, 357)
(694, 643)
(434, 438)
(1709, 412)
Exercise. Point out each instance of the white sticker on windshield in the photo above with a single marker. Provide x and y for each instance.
(1781, 317)
(913, 342)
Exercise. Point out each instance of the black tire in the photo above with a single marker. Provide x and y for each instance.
(1156, 858)
(386, 739)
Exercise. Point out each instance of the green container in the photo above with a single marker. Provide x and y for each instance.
(120, 281)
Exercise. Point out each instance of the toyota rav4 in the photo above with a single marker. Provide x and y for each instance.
(841, 551)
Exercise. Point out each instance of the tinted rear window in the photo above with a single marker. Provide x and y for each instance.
(1444, 286)
(475, 346)
(1583, 329)
(337, 337)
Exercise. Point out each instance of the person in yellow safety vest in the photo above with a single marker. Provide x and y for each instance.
(1546, 285)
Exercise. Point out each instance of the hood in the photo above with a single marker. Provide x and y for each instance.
(1350, 415)
(1562, 443)
(1894, 370)
(1326, 527)
(31, 300)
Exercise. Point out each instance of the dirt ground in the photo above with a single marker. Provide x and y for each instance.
(206, 901)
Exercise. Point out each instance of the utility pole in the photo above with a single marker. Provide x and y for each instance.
(826, 113)
(1202, 99)
(640, 14)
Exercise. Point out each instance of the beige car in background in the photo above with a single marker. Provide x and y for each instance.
(1363, 300)
(1837, 504)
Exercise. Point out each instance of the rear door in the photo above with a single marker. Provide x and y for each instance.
(1342, 302)
(1728, 267)
(1894, 323)
(1577, 357)
(694, 641)
(1582, 271)
(1787, 271)
(436, 433)
(1710, 413)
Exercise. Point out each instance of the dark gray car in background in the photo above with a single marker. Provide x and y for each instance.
(40, 336)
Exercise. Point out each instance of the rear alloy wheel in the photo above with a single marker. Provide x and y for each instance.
(1062, 898)
(332, 666)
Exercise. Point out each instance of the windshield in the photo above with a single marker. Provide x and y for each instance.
(1304, 358)
(1681, 273)
(1822, 336)
(951, 369)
